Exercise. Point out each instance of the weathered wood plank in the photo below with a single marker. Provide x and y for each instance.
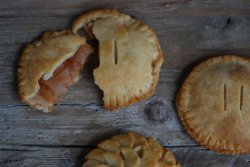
(189, 31)
(12, 156)
(88, 124)
(17, 155)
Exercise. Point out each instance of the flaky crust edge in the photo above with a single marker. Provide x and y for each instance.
(82, 20)
(180, 103)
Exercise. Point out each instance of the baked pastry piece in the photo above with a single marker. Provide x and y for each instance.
(214, 104)
(129, 54)
(50, 65)
(130, 150)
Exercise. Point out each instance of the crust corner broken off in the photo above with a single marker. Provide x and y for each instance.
(129, 54)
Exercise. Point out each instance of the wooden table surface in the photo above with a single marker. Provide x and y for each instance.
(189, 31)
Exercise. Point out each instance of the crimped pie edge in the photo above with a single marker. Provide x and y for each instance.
(180, 100)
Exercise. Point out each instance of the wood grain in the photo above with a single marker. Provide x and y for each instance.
(17, 155)
(189, 31)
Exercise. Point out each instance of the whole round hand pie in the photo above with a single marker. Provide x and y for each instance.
(130, 150)
(214, 104)
(129, 53)
(50, 65)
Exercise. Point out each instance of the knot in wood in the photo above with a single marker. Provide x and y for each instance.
(222, 22)
(158, 111)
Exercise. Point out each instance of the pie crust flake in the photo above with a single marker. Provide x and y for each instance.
(130, 150)
(50, 65)
(130, 56)
(214, 104)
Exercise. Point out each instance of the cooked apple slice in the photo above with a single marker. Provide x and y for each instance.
(48, 66)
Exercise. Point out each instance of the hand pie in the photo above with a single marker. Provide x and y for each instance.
(129, 54)
(48, 66)
(214, 104)
(130, 150)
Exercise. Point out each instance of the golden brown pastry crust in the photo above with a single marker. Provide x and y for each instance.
(129, 150)
(213, 104)
(40, 59)
(86, 20)
(123, 26)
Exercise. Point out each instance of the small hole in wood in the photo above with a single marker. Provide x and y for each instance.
(228, 21)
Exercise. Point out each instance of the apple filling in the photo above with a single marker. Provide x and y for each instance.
(64, 76)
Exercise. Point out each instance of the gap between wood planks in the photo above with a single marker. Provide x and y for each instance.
(75, 146)
(88, 105)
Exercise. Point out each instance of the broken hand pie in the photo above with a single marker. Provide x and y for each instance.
(48, 66)
(129, 55)
(213, 104)
(130, 150)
